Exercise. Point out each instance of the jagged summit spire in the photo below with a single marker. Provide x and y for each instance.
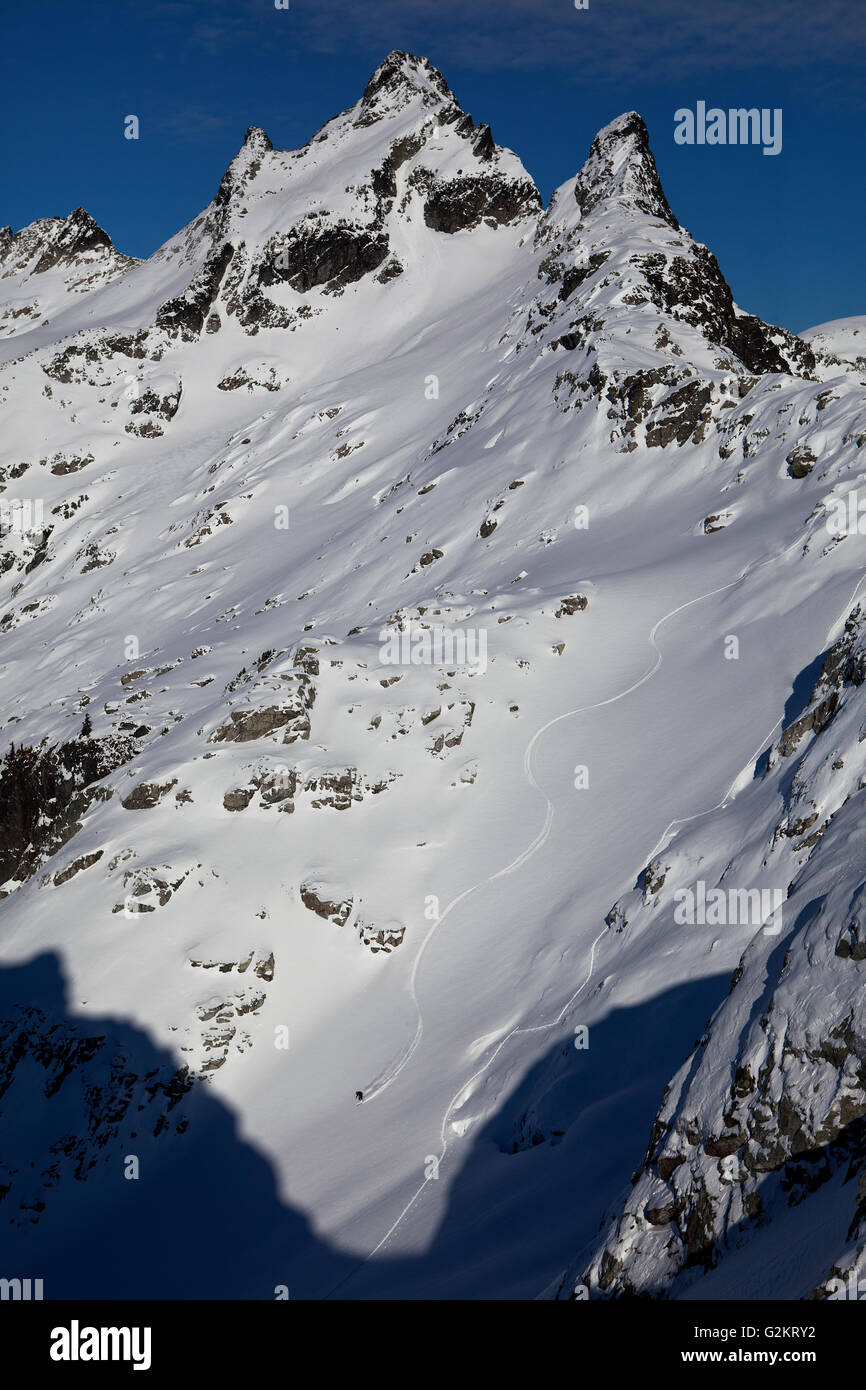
(406, 71)
(71, 237)
(620, 168)
(400, 78)
(257, 139)
(245, 164)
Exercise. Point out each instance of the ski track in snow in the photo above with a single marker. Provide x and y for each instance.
(466, 1088)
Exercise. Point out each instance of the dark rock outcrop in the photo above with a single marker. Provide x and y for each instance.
(693, 289)
(458, 205)
(79, 233)
(332, 256)
(186, 313)
(45, 790)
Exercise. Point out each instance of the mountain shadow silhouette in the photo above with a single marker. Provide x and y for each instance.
(80, 1097)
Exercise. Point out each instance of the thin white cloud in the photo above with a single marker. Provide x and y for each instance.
(816, 50)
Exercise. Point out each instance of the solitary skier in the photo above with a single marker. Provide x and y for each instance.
(359, 1095)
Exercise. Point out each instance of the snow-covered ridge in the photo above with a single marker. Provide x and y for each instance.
(842, 344)
(50, 261)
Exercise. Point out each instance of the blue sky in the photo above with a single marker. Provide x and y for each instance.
(787, 230)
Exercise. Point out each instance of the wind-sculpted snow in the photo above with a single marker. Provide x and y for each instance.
(430, 564)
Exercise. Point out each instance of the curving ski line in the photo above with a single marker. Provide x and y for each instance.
(464, 1090)
(587, 1245)
(383, 1082)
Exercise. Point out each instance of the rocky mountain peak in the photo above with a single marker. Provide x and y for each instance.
(80, 255)
(77, 234)
(417, 159)
(620, 169)
(613, 221)
(257, 139)
(400, 77)
(52, 241)
(245, 165)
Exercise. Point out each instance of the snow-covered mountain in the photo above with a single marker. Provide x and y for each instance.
(50, 262)
(407, 590)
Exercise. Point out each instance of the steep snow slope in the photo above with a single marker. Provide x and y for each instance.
(373, 388)
(754, 1182)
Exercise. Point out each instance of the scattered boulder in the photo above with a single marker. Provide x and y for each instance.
(147, 795)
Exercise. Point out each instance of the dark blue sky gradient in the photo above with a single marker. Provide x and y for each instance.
(787, 230)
